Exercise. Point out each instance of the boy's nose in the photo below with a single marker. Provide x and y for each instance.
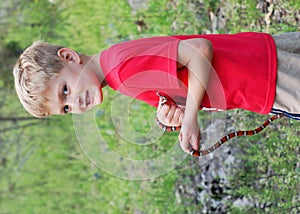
(74, 102)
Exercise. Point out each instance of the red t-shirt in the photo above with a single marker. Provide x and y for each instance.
(243, 74)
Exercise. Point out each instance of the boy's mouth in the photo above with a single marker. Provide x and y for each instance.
(87, 98)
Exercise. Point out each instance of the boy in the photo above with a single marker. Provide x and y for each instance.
(195, 71)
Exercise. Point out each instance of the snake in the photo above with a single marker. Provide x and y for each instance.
(224, 139)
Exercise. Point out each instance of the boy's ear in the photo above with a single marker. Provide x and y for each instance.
(68, 55)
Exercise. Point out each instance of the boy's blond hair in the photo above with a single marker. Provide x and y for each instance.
(36, 66)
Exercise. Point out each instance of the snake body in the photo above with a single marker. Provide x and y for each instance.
(223, 139)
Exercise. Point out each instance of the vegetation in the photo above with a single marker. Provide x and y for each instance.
(42, 166)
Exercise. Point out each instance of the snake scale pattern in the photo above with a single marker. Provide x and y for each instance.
(224, 139)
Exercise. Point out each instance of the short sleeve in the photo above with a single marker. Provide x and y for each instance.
(146, 63)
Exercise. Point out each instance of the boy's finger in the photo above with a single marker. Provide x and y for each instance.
(177, 115)
(196, 143)
(184, 143)
(163, 110)
(180, 118)
(168, 115)
(171, 112)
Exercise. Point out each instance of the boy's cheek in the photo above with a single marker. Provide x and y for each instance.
(101, 95)
(98, 96)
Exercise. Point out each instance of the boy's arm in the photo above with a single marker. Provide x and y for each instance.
(196, 55)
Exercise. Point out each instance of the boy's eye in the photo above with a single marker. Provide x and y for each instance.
(66, 109)
(65, 90)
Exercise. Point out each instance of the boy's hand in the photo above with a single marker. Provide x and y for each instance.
(170, 115)
(190, 136)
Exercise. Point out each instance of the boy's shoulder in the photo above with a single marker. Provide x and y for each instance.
(163, 46)
(142, 44)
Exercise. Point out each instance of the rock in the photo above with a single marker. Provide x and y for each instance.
(212, 180)
(138, 4)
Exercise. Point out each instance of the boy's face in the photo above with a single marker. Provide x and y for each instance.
(76, 90)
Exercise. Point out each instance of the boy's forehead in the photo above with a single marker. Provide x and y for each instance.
(52, 96)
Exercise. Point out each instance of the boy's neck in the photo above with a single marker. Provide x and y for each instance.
(94, 63)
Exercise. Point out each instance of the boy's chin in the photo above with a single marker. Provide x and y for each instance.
(98, 98)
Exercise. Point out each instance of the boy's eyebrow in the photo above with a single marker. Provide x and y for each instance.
(58, 92)
(57, 97)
